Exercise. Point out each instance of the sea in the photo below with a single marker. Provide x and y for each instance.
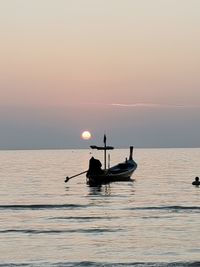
(153, 220)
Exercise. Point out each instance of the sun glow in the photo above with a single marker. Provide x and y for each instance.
(86, 135)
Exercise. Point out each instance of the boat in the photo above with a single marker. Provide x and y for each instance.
(117, 173)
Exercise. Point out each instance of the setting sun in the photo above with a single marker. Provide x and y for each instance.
(86, 135)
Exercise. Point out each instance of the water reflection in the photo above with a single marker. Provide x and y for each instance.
(103, 190)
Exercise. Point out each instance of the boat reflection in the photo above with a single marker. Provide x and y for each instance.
(100, 190)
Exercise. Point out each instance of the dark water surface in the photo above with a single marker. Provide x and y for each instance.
(152, 221)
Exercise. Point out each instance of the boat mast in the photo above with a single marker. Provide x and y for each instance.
(105, 147)
(104, 140)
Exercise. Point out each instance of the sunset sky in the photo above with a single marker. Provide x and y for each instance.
(128, 68)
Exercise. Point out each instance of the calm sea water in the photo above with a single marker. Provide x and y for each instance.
(152, 221)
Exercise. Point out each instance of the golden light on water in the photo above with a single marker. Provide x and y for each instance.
(86, 135)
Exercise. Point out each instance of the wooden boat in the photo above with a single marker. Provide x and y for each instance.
(120, 172)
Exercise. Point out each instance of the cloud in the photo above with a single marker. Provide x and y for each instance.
(142, 105)
(153, 105)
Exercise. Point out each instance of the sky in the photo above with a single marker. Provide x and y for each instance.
(127, 68)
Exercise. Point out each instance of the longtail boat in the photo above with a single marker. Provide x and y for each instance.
(120, 172)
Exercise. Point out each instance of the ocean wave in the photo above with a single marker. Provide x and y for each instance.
(58, 231)
(83, 218)
(104, 264)
(169, 208)
(74, 206)
(41, 206)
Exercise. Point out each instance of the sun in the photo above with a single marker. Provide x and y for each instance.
(86, 135)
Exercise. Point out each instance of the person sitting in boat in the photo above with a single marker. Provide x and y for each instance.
(94, 166)
(196, 182)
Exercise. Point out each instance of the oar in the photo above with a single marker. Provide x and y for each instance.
(68, 178)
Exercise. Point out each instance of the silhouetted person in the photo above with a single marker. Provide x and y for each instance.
(94, 166)
(196, 182)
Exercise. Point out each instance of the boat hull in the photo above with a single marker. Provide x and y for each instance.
(119, 173)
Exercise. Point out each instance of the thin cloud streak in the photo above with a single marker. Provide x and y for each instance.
(153, 105)
(143, 105)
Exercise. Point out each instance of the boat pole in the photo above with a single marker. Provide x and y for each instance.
(104, 139)
(68, 178)
(108, 161)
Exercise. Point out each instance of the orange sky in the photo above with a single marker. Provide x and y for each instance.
(73, 53)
